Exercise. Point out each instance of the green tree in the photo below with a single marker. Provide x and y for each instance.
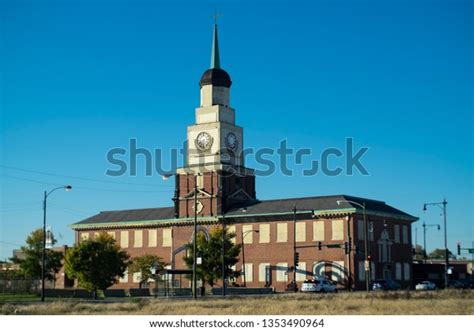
(143, 264)
(419, 253)
(30, 259)
(210, 251)
(438, 253)
(96, 263)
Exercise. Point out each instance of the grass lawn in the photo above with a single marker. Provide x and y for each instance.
(451, 302)
(5, 297)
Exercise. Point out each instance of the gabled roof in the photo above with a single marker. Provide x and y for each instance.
(322, 205)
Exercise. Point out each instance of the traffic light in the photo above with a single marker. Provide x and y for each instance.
(347, 249)
(369, 258)
(320, 245)
(459, 248)
(297, 259)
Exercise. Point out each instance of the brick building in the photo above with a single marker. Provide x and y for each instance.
(226, 193)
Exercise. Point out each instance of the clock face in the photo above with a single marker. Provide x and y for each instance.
(231, 141)
(203, 141)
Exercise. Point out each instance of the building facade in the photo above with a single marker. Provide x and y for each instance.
(327, 232)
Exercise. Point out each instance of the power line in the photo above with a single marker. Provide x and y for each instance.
(84, 187)
(30, 180)
(19, 205)
(8, 211)
(11, 244)
(79, 178)
(22, 203)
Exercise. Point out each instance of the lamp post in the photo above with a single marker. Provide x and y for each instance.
(442, 205)
(243, 234)
(366, 243)
(194, 281)
(223, 256)
(294, 249)
(295, 289)
(424, 237)
(195, 238)
(154, 271)
(43, 255)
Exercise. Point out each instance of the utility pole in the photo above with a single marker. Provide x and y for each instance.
(194, 239)
(366, 248)
(446, 252)
(43, 255)
(416, 236)
(424, 238)
(367, 262)
(294, 249)
(223, 256)
(242, 235)
(442, 205)
(424, 242)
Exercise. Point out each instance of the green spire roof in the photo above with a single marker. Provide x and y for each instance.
(215, 61)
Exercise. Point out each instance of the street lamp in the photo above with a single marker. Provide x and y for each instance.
(195, 240)
(154, 272)
(442, 206)
(294, 249)
(166, 177)
(243, 234)
(43, 256)
(295, 289)
(223, 255)
(366, 244)
(424, 236)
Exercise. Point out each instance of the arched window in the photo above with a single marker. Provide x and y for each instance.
(385, 247)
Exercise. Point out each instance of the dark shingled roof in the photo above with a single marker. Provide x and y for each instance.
(317, 203)
(149, 214)
(255, 208)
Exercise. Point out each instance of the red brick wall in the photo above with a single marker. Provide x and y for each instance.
(218, 185)
(275, 252)
(400, 252)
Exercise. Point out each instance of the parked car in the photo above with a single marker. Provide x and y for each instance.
(385, 285)
(468, 283)
(425, 285)
(318, 285)
(456, 284)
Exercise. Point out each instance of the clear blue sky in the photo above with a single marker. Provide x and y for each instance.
(81, 77)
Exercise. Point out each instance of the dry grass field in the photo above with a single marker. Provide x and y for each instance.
(390, 303)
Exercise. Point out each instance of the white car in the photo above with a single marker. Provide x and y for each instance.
(425, 285)
(318, 285)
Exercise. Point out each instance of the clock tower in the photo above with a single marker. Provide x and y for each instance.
(214, 160)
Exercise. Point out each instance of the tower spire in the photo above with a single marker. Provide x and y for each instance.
(215, 61)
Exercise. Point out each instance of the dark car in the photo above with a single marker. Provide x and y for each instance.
(456, 284)
(385, 285)
(467, 283)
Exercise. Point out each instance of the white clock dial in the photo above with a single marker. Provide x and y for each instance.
(203, 141)
(231, 141)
